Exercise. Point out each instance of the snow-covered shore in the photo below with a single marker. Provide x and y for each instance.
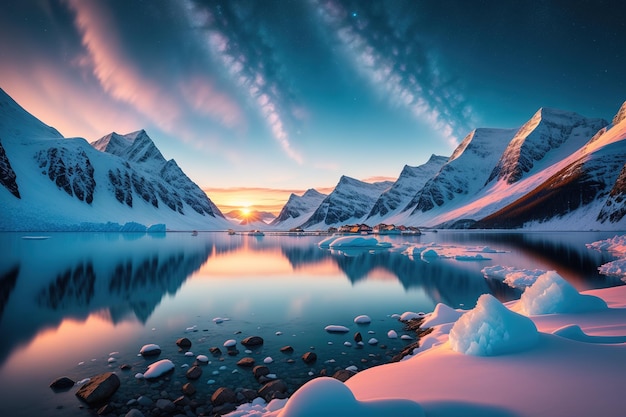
(555, 352)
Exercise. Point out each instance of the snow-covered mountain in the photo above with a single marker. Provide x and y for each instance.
(410, 181)
(298, 209)
(254, 218)
(548, 129)
(465, 172)
(53, 183)
(350, 202)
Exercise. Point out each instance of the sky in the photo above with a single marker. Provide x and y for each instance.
(256, 99)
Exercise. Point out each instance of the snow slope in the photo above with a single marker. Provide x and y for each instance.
(350, 202)
(410, 181)
(66, 184)
(298, 209)
(561, 364)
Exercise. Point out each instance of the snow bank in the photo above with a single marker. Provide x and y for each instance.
(492, 329)
(513, 277)
(158, 368)
(441, 315)
(331, 398)
(574, 332)
(335, 328)
(552, 294)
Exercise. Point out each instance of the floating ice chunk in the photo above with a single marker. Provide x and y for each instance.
(271, 376)
(406, 337)
(325, 244)
(230, 343)
(157, 228)
(191, 329)
(85, 380)
(133, 227)
(184, 365)
(329, 396)
(223, 368)
(202, 358)
(492, 329)
(347, 344)
(114, 353)
(138, 375)
(552, 294)
(215, 373)
(334, 328)
(477, 257)
(614, 268)
(429, 254)
(513, 277)
(158, 368)
(441, 315)
(268, 360)
(373, 341)
(279, 333)
(111, 360)
(188, 353)
(218, 320)
(392, 334)
(362, 319)
(357, 242)
(211, 381)
(352, 368)
(396, 316)
(615, 245)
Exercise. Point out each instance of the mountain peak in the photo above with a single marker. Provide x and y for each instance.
(621, 114)
(135, 146)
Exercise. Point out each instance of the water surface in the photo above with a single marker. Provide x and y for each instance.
(67, 302)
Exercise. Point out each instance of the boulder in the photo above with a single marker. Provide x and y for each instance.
(99, 389)
(260, 370)
(188, 389)
(62, 383)
(215, 351)
(269, 390)
(246, 362)
(222, 396)
(183, 343)
(252, 341)
(309, 357)
(194, 372)
(343, 375)
(286, 349)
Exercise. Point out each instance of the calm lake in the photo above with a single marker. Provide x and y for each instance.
(80, 304)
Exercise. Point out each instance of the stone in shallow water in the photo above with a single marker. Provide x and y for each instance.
(99, 389)
(62, 383)
(246, 362)
(222, 396)
(309, 357)
(183, 343)
(286, 349)
(194, 372)
(150, 350)
(252, 341)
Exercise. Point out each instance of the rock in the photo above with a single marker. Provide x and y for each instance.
(165, 405)
(150, 350)
(183, 343)
(99, 389)
(106, 410)
(335, 328)
(181, 401)
(222, 396)
(246, 362)
(215, 351)
(189, 389)
(286, 349)
(126, 367)
(133, 412)
(249, 394)
(260, 370)
(62, 383)
(269, 389)
(309, 357)
(230, 343)
(362, 319)
(194, 372)
(358, 337)
(373, 341)
(144, 401)
(233, 352)
(343, 375)
(252, 341)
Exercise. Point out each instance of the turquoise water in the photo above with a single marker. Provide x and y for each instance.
(72, 301)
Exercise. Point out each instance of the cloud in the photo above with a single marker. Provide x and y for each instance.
(121, 75)
(237, 42)
(383, 44)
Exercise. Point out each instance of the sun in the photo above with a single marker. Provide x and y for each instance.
(245, 211)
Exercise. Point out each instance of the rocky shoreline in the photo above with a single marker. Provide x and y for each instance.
(169, 392)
